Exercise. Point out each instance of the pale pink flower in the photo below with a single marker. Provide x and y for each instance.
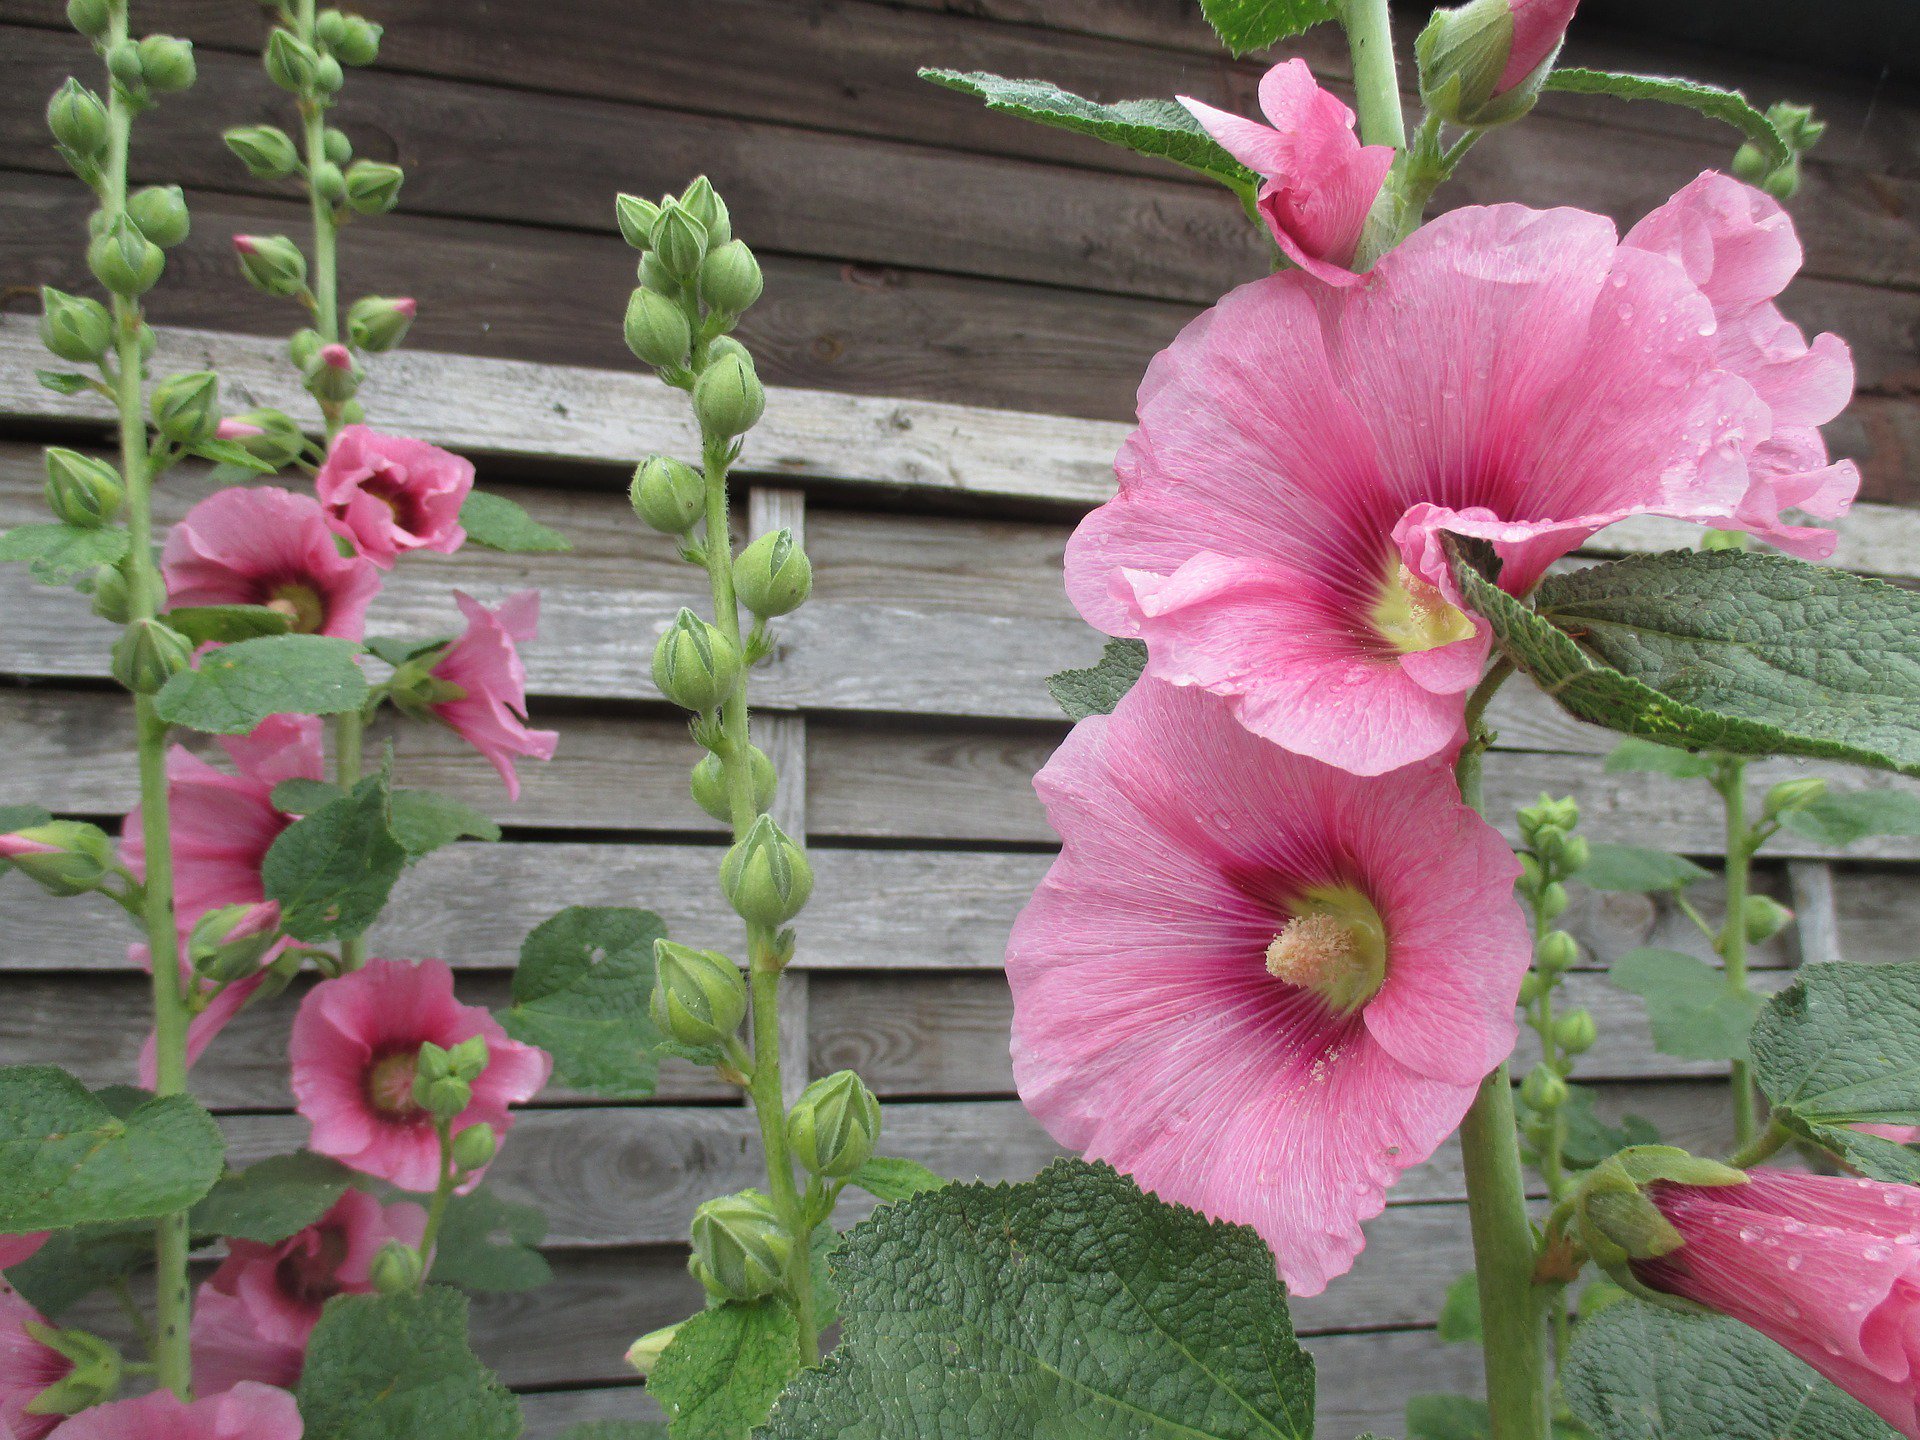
(27, 1366)
(1898, 1134)
(246, 1412)
(389, 494)
(1318, 182)
(1261, 986)
(356, 1040)
(269, 547)
(1826, 1266)
(16, 1249)
(253, 1317)
(1538, 28)
(1512, 374)
(485, 664)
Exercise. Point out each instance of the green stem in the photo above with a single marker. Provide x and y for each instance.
(1731, 782)
(1768, 1143)
(348, 729)
(437, 1207)
(1376, 83)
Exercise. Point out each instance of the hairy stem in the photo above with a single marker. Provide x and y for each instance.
(1731, 782)
(1376, 82)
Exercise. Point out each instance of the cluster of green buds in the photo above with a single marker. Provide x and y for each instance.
(139, 70)
(696, 281)
(740, 1247)
(443, 1077)
(1552, 854)
(1801, 132)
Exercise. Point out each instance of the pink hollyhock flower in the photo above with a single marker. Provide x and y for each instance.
(252, 1319)
(246, 1412)
(484, 665)
(16, 1249)
(27, 1366)
(1261, 986)
(1318, 182)
(1827, 1267)
(388, 494)
(1539, 27)
(1513, 374)
(355, 1043)
(1898, 1134)
(269, 547)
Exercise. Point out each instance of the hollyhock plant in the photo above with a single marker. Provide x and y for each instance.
(356, 1041)
(1512, 374)
(269, 547)
(253, 1317)
(389, 494)
(1826, 1266)
(1260, 985)
(1318, 182)
(246, 1412)
(28, 1365)
(490, 709)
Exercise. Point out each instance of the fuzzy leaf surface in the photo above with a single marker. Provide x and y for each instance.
(272, 1198)
(1637, 868)
(1244, 25)
(1103, 685)
(333, 870)
(719, 1377)
(1727, 106)
(1695, 1015)
(499, 524)
(580, 993)
(1841, 818)
(234, 688)
(423, 820)
(491, 1246)
(57, 554)
(225, 623)
(1842, 1045)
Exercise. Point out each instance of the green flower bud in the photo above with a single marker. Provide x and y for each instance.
(358, 42)
(730, 278)
(328, 26)
(78, 120)
(279, 442)
(1575, 1031)
(444, 1098)
(1543, 1089)
(93, 1378)
(773, 576)
(229, 943)
(113, 593)
(335, 145)
(699, 997)
(740, 1248)
(266, 150)
(1464, 55)
(475, 1147)
(303, 346)
(724, 346)
(123, 63)
(703, 203)
(353, 412)
(290, 62)
(273, 263)
(636, 218)
(766, 876)
(656, 329)
(1575, 854)
(668, 494)
(333, 375)
(679, 241)
(81, 490)
(645, 1352)
(710, 784)
(694, 664)
(728, 398)
(166, 63)
(91, 18)
(1750, 164)
(1788, 796)
(186, 408)
(161, 213)
(466, 1060)
(373, 186)
(653, 275)
(397, 1269)
(327, 75)
(74, 327)
(1529, 880)
(64, 857)
(834, 1125)
(1765, 918)
(124, 260)
(1557, 952)
(1552, 903)
(328, 182)
(1532, 986)
(377, 324)
(148, 654)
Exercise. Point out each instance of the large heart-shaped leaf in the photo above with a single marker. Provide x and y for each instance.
(580, 993)
(1841, 1045)
(234, 688)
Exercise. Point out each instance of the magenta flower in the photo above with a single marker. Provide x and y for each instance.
(1827, 1267)
(388, 494)
(484, 665)
(253, 1317)
(1508, 373)
(269, 547)
(16, 1249)
(246, 1412)
(28, 1365)
(355, 1044)
(1318, 182)
(1260, 985)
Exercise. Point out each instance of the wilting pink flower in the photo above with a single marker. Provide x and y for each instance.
(1512, 374)
(15, 1249)
(27, 1366)
(1828, 1267)
(355, 1044)
(269, 547)
(1538, 28)
(1317, 181)
(253, 1317)
(389, 494)
(1260, 985)
(246, 1412)
(484, 663)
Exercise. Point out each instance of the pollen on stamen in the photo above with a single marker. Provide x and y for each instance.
(1311, 950)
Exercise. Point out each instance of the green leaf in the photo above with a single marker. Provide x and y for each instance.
(1637, 868)
(62, 382)
(333, 870)
(396, 652)
(1695, 1015)
(226, 623)
(21, 817)
(615, 1430)
(272, 1198)
(1163, 129)
(227, 453)
(1842, 1045)
(1638, 1371)
(1728, 106)
(1095, 691)
(1460, 1311)
(489, 1245)
(886, 1178)
(1589, 1139)
(497, 523)
(1447, 1417)
(719, 1377)
(1636, 754)
(580, 993)
(74, 1263)
(1872, 1156)
(300, 796)
(1071, 1304)
(58, 554)
(826, 1293)
(1841, 818)
(1690, 648)
(422, 821)
(1244, 25)
(398, 1367)
(235, 687)
(67, 1157)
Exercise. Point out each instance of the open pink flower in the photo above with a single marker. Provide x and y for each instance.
(484, 663)
(355, 1043)
(1260, 985)
(17, 1249)
(269, 547)
(253, 1317)
(1828, 1267)
(1318, 182)
(246, 1412)
(28, 1365)
(389, 494)
(1512, 374)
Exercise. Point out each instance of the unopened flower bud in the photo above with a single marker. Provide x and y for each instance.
(740, 1248)
(728, 398)
(1543, 1089)
(834, 1125)
(148, 654)
(1557, 952)
(377, 324)
(113, 593)
(773, 576)
(444, 1098)
(166, 63)
(1575, 1031)
(328, 25)
(91, 18)
(668, 494)
(335, 145)
(78, 120)
(186, 408)
(1617, 1220)
(64, 857)
(656, 329)
(396, 1269)
(1552, 903)
(699, 996)
(766, 876)
(123, 63)
(1532, 986)
(328, 182)
(1791, 795)
(81, 490)
(277, 440)
(1564, 812)
(303, 347)
(272, 262)
(636, 218)
(1765, 918)
(679, 241)
(475, 1147)
(358, 42)
(333, 375)
(229, 943)
(1529, 873)
(703, 203)
(730, 279)
(1481, 66)
(124, 260)
(645, 1352)
(709, 783)
(74, 327)
(466, 1060)
(328, 76)
(653, 276)
(694, 664)
(373, 186)
(290, 62)
(161, 213)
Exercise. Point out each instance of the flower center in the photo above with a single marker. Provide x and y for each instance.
(390, 1085)
(310, 1270)
(1412, 615)
(1335, 946)
(301, 604)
